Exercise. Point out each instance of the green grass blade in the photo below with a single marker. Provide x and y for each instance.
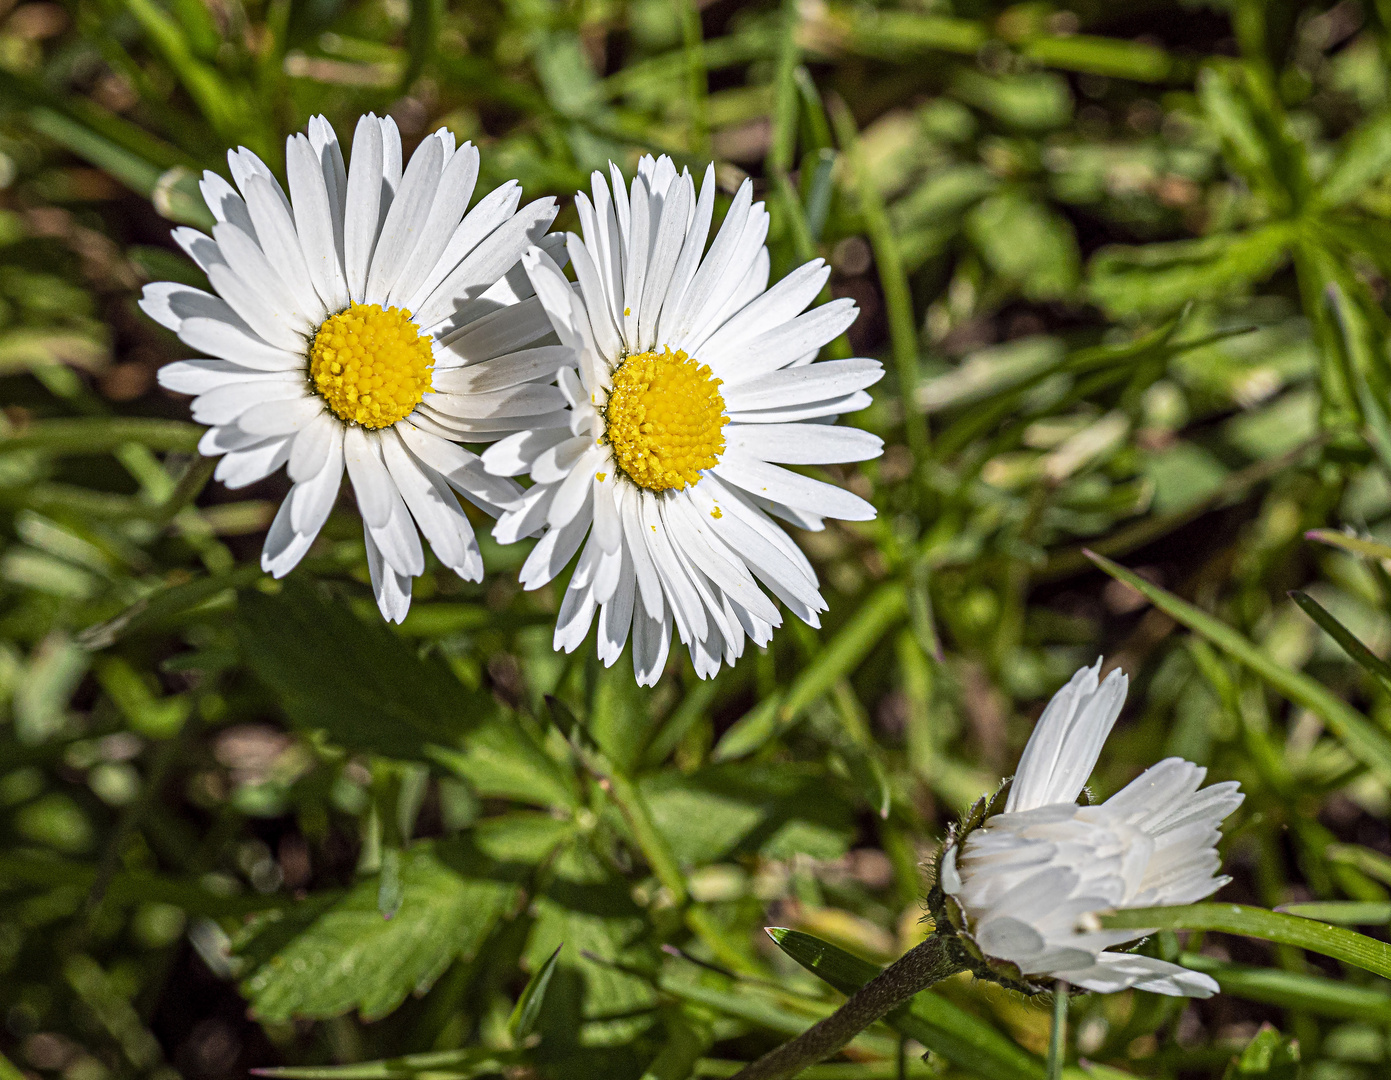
(523, 1019)
(1343, 912)
(1346, 945)
(1362, 739)
(1362, 656)
(1295, 990)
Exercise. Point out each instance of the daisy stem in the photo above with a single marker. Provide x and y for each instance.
(1058, 1041)
(934, 960)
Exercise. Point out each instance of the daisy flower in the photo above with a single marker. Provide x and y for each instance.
(694, 385)
(1025, 883)
(365, 321)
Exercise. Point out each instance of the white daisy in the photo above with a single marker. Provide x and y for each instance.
(1026, 882)
(365, 321)
(693, 379)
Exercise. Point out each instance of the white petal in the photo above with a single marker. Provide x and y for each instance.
(494, 209)
(556, 463)
(451, 200)
(246, 259)
(486, 263)
(224, 404)
(362, 213)
(1114, 972)
(651, 643)
(778, 347)
(284, 547)
(461, 468)
(501, 332)
(234, 341)
(312, 499)
(826, 407)
(224, 202)
(791, 386)
(596, 304)
(1067, 740)
(242, 467)
(803, 444)
(713, 269)
(392, 590)
(780, 304)
(514, 455)
(693, 247)
(200, 376)
(666, 249)
(405, 220)
(527, 365)
(317, 221)
(271, 324)
(288, 416)
(383, 512)
(782, 485)
(276, 235)
(312, 446)
(555, 549)
(425, 502)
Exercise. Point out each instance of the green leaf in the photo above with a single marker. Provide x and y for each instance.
(100, 436)
(501, 761)
(942, 1027)
(331, 955)
(1269, 1055)
(1356, 949)
(1368, 549)
(1027, 243)
(1343, 912)
(1365, 159)
(1294, 990)
(840, 656)
(523, 1019)
(1362, 739)
(778, 810)
(438, 1065)
(359, 682)
(1160, 278)
(1362, 656)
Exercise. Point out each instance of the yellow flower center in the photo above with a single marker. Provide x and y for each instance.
(371, 366)
(665, 419)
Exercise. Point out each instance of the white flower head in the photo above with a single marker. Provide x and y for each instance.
(695, 384)
(365, 320)
(1024, 882)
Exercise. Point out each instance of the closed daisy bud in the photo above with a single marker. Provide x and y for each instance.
(1022, 886)
(366, 320)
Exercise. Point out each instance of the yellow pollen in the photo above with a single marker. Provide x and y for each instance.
(371, 366)
(665, 419)
(601, 476)
(716, 513)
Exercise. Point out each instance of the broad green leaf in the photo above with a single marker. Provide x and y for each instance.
(1356, 949)
(1026, 243)
(779, 810)
(332, 955)
(942, 1027)
(1362, 739)
(1295, 990)
(359, 682)
(1033, 102)
(501, 761)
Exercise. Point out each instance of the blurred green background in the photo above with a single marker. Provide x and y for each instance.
(1128, 265)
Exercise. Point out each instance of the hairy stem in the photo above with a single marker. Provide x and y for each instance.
(932, 961)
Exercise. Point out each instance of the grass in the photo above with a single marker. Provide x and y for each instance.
(1128, 271)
